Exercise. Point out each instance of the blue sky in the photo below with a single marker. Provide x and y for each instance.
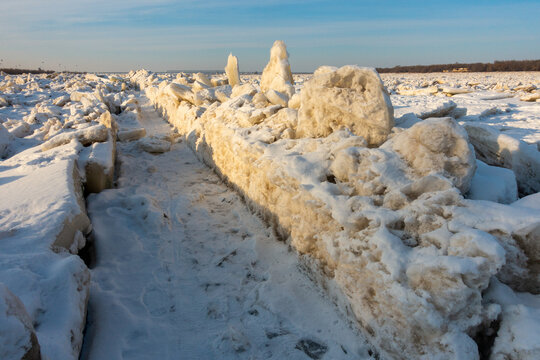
(159, 35)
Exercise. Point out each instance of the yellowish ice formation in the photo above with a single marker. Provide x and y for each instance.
(380, 225)
(232, 70)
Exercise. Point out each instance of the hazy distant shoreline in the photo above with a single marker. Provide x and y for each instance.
(496, 66)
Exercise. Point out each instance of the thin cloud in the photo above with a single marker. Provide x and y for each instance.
(154, 30)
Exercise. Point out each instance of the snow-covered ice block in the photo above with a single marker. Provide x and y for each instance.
(495, 148)
(80, 96)
(418, 91)
(98, 164)
(260, 100)
(18, 338)
(203, 79)
(426, 106)
(531, 97)
(517, 229)
(107, 120)
(154, 145)
(219, 81)
(455, 91)
(531, 201)
(351, 97)
(517, 337)
(61, 100)
(54, 289)
(493, 183)
(131, 134)
(197, 86)
(294, 102)
(324, 69)
(223, 93)
(20, 130)
(86, 136)
(244, 89)
(180, 92)
(277, 98)
(441, 110)
(39, 186)
(5, 139)
(438, 145)
(205, 96)
(43, 220)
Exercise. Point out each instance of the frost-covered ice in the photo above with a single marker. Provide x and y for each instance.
(403, 244)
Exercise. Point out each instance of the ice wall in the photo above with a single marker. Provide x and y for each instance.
(390, 235)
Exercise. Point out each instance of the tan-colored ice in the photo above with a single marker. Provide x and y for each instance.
(438, 145)
(232, 70)
(349, 97)
(277, 73)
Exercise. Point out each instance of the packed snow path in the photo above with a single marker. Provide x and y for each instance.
(184, 271)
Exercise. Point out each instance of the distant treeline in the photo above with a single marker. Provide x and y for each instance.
(26, 71)
(506, 65)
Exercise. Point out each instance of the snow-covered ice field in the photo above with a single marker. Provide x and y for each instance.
(332, 215)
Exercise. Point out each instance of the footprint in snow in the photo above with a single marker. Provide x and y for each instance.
(156, 301)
